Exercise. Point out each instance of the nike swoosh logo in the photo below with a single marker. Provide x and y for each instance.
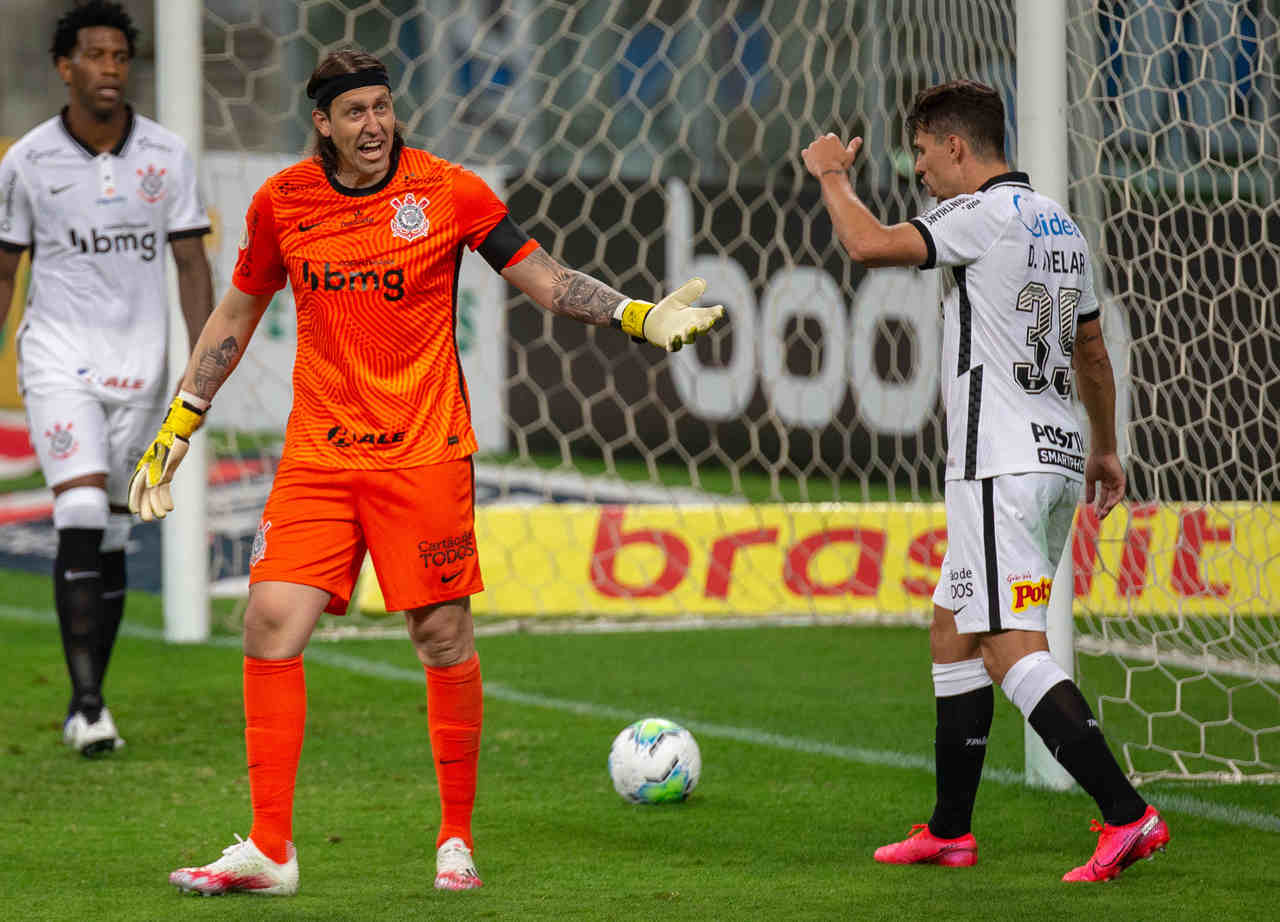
(450, 761)
(960, 609)
(72, 575)
(450, 577)
(54, 190)
(303, 228)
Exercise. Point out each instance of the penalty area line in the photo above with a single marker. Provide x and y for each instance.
(1174, 802)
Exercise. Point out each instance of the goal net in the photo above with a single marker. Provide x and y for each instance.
(790, 465)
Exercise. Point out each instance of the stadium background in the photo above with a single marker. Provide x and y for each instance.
(582, 114)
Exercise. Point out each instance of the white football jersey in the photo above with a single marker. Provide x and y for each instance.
(1019, 281)
(97, 311)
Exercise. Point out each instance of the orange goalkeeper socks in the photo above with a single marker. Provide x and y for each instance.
(455, 712)
(275, 712)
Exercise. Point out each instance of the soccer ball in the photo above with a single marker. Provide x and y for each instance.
(654, 761)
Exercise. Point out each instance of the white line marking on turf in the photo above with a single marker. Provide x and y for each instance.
(327, 656)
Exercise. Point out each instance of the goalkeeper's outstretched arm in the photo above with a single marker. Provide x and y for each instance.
(215, 356)
(670, 323)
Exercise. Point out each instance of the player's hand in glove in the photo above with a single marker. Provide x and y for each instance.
(149, 493)
(671, 322)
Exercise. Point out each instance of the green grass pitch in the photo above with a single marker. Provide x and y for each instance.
(817, 747)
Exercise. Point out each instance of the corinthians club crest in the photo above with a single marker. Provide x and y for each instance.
(259, 549)
(410, 221)
(151, 183)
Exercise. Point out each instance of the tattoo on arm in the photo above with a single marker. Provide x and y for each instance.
(214, 366)
(577, 295)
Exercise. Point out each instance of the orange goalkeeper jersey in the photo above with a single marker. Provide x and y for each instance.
(377, 382)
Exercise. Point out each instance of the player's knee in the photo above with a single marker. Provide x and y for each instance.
(1029, 679)
(441, 634)
(264, 621)
(81, 507)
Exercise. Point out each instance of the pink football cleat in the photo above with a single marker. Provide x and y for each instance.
(1121, 846)
(923, 847)
(241, 868)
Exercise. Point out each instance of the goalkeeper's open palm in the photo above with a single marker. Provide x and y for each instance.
(674, 320)
(149, 494)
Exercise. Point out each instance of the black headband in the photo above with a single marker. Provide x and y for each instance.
(330, 89)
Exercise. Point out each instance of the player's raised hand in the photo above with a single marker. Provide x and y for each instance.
(828, 154)
(674, 320)
(149, 494)
(1103, 483)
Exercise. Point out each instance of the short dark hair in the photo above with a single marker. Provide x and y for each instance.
(965, 107)
(334, 64)
(87, 14)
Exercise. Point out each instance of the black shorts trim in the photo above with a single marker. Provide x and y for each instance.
(972, 424)
(989, 553)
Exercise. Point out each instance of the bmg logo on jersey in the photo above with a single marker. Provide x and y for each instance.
(1030, 593)
(390, 282)
(117, 238)
(453, 549)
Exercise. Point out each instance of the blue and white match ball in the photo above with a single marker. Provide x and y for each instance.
(654, 761)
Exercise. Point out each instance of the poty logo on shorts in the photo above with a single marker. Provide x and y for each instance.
(410, 220)
(450, 550)
(62, 444)
(1029, 594)
(259, 544)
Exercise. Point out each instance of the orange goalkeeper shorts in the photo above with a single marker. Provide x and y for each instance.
(417, 524)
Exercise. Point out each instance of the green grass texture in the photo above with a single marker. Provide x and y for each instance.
(816, 743)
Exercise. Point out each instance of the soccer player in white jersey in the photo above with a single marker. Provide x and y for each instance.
(95, 193)
(1019, 315)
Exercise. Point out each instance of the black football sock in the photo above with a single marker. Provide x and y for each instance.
(113, 593)
(1067, 726)
(77, 596)
(960, 745)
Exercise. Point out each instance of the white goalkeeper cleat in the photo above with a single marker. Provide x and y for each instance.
(455, 868)
(242, 868)
(91, 739)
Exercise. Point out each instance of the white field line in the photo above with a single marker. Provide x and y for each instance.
(326, 655)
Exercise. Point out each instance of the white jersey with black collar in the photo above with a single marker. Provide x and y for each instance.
(97, 309)
(1019, 279)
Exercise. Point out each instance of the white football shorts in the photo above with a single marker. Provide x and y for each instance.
(76, 433)
(1005, 536)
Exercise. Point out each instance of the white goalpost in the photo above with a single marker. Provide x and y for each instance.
(790, 466)
(1042, 153)
(185, 540)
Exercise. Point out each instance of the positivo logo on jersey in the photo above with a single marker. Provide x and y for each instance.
(117, 238)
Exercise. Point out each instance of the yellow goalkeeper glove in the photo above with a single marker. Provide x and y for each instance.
(671, 322)
(149, 493)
